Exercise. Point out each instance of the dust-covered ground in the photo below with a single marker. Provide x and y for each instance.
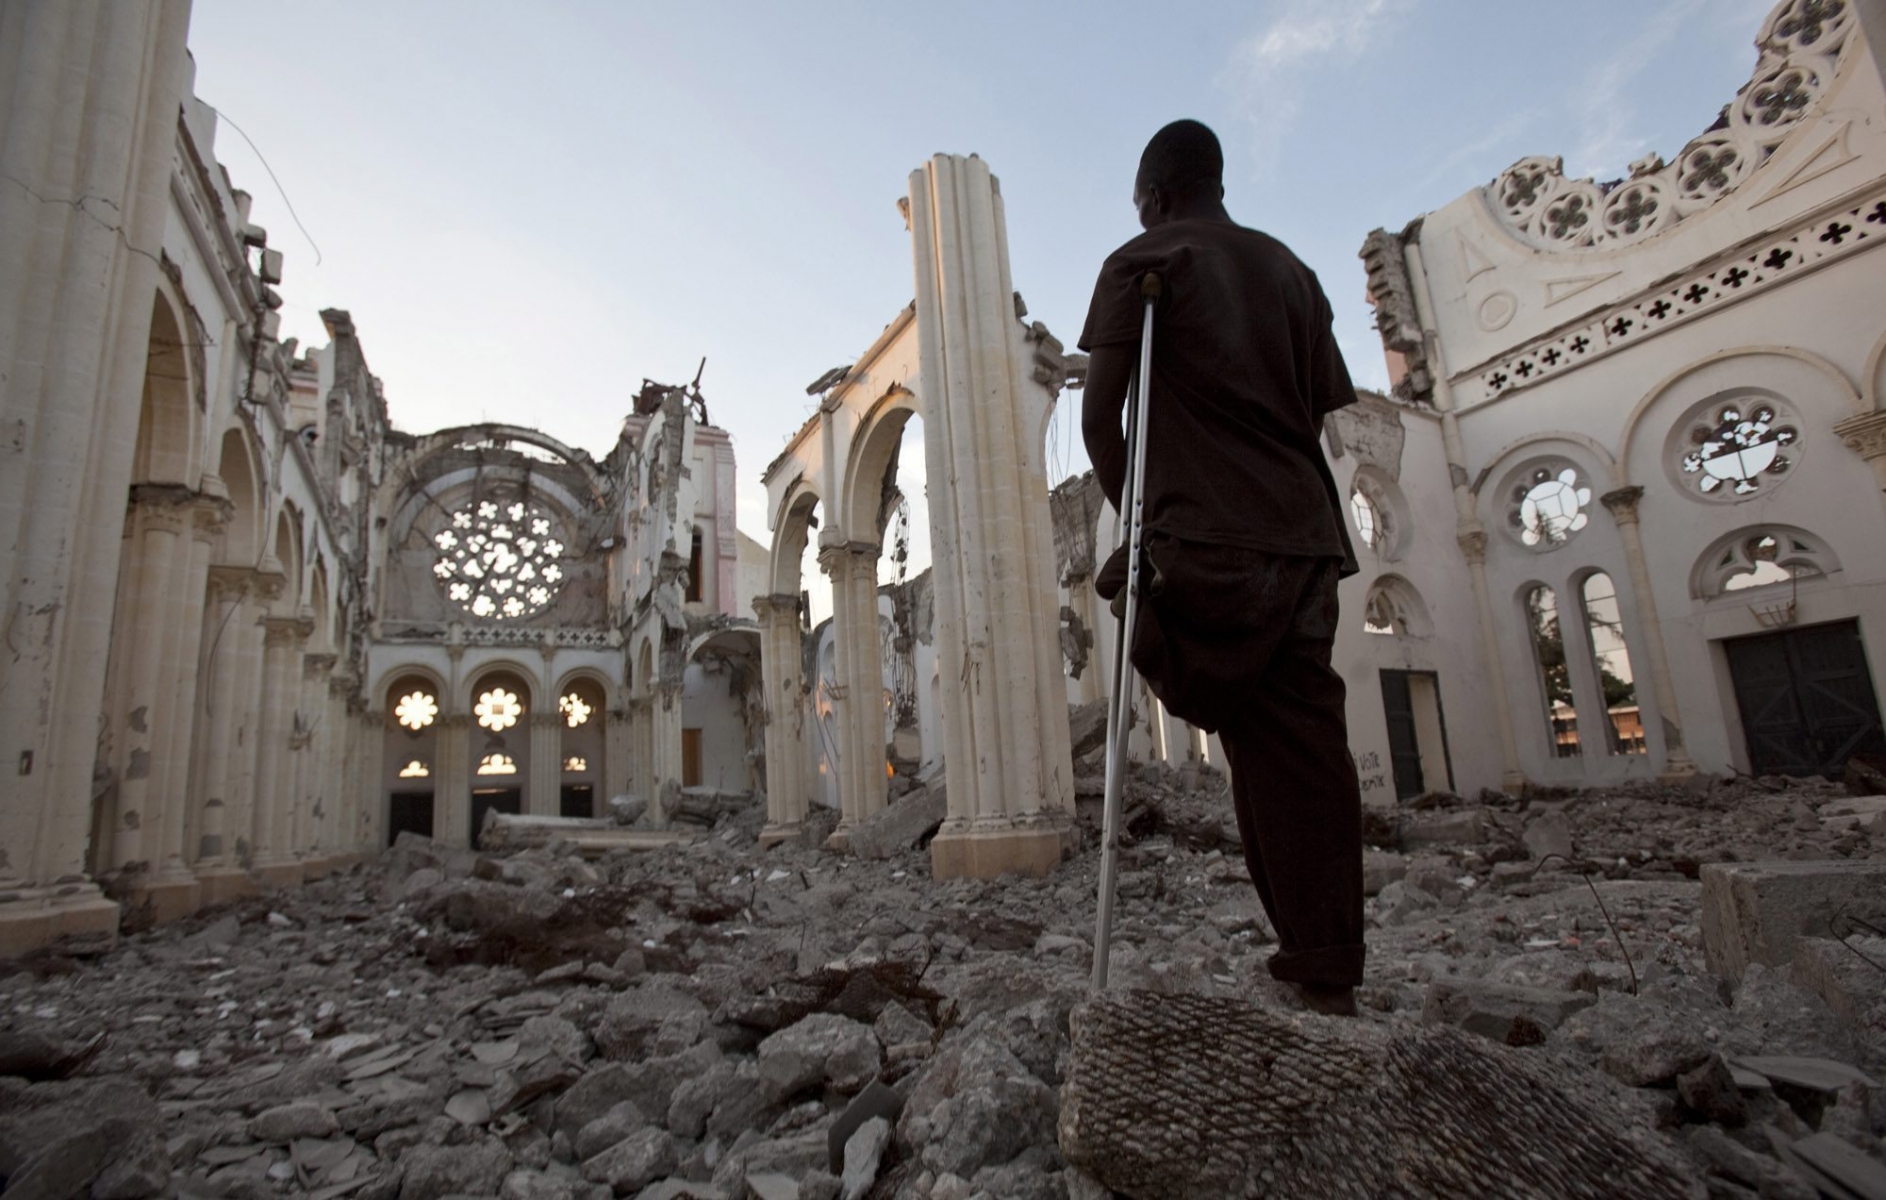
(695, 1020)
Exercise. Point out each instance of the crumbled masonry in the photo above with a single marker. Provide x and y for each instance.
(694, 1019)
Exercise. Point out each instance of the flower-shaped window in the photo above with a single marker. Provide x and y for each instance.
(498, 709)
(499, 559)
(575, 709)
(416, 710)
(415, 769)
(497, 764)
(1733, 449)
(1548, 506)
(576, 764)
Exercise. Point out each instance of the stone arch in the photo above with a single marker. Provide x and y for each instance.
(877, 440)
(1681, 385)
(411, 770)
(1796, 552)
(389, 677)
(168, 419)
(1505, 485)
(236, 467)
(287, 551)
(1387, 506)
(1394, 606)
(790, 534)
(475, 679)
(322, 603)
(1873, 382)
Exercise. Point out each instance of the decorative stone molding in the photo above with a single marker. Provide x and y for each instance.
(1865, 435)
(1801, 44)
(229, 583)
(1623, 503)
(281, 631)
(316, 666)
(1832, 234)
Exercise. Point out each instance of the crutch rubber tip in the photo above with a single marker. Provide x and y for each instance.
(1149, 285)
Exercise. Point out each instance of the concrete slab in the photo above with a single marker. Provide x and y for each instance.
(1756, 912)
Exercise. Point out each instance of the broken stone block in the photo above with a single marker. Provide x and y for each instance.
(1510, 1014)
(1854, 1171)
(1087, 727)
(634, 1162)
(1848, 983)
(1547, 834)
(1710, 1092)
(821, 1048)
(432, 1172)
(286, 1122)
(1728, 1158)
(1755, 912)
(1462, 827)
(863, 1152)
(877, 1100)
(1381, 868)
(976, 1105)
(607, 1130)
(900, 825)
(1813, 1074)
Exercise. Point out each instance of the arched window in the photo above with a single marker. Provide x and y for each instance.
(1611, 663)
(1735, 450)
(1546, 506)
(1762, 557)
(1394, 608)
(1548, 645)
(1368, 526)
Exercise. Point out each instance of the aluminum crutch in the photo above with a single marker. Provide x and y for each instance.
(1120, 707)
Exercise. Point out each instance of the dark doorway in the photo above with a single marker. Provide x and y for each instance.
(690, 758)
(505, 800)
(1807, 699)
(579, 800)
(1417, 732)
(409, 812)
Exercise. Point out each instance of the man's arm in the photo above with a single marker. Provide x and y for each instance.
(1109, 370)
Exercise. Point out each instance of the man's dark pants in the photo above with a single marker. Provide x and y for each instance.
(1239, 643)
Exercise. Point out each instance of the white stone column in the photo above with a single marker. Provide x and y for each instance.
(617, 736)
(230, 666)
(273, 855)
(363, 778)
(544, 799)
(1005, 715)
(1623, 506)
(451, 775)
(664, 731)
(160, 519)
(1473, 547)
(782, 680)
(860, 668)
(93, 93)
(311, 836)
(642, 737)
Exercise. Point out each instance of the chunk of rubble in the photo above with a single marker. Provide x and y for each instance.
(1756, 912)
(1511, 1014)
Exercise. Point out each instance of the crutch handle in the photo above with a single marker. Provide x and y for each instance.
(1149, 286)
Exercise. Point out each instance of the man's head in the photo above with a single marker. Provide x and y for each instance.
(1181, 170)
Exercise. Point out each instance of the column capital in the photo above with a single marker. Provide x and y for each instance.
(1623, 503)
(314, 666)
(1473, 544)
(228, 582)
(281, 631)
(1865, 434)
(456, 720)
(545, 720)
(776, 606)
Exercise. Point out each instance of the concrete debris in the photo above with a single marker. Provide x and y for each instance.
(710, 1019)
(903, 824)
(1755, 912)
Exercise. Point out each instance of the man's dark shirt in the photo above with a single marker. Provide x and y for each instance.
(1244, 368)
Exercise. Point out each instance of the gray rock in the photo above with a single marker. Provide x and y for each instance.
(1724, 1156)
(141, 1170)
(649, 1085)
(634, 1162)
(863, 1152)
(558, 1036)
(1754, 912)
(878, 1099)
(431, 1172)
(1460, 827)
(1835, 1159)
(527, 1184)
(627, 808)
(681, 1189)
(1710, 1092)
(976, 1105)
(823, 1048)
(634, 1020)
(900, 825)
(1547, 834)
(286, 1122)
(65, 1165)
(768, 1185)
(897, 1025)
(605, 1131)
(1381, 868)
(745, 1103)
(1507, 1013)
(696, 1098)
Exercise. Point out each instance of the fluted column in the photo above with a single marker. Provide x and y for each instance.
(1623, 506)
(1005, 713)
(274, 860)
(782, 665)
(451, 794)
(89, 125)
(160, 518)
(231, 623)
(340, 825)
(544, 799)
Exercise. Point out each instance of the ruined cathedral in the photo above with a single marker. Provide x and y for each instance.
(1619, 515)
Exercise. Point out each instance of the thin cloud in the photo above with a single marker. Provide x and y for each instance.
(1267, 70)
(1611, 137)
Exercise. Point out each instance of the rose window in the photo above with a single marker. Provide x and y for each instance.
(498, 710)
(499, 560)
(575, 709)
(1731, 450)
(416, 710)
(1548, 506)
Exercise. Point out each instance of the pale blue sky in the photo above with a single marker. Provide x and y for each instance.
(529, 208)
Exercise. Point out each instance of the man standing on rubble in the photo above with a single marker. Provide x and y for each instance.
(1244, 536)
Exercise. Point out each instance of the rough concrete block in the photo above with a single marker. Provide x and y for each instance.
(1381, 868)
(1756, 912)
(1507, 1013)
(1463, 827)
(899, 826)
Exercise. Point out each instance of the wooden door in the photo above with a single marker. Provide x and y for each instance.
(1806, 699)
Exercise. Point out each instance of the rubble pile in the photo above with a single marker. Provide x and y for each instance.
(711, 1019)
